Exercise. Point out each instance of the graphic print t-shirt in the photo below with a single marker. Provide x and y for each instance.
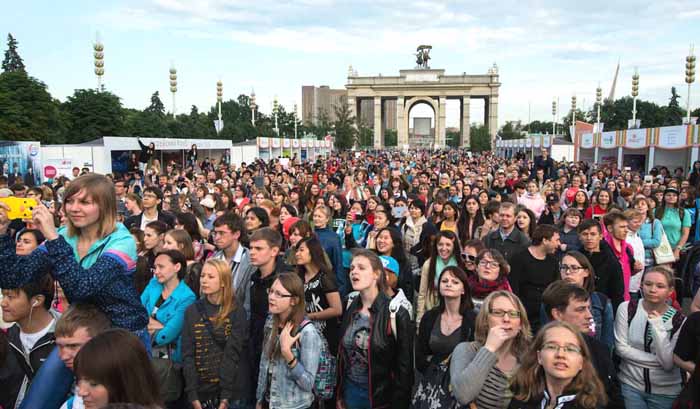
(356, 345)
(315, 295)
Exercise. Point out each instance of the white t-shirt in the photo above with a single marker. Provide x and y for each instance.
(29, 340)
(145, 221)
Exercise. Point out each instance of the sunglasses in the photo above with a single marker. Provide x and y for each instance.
(468, 258)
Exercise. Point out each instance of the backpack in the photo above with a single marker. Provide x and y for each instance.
(676, 321)
(324, 383)
(393, 310)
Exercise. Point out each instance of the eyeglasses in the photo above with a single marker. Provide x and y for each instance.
(468, 258)
(565, 268)
(277, 294)
(503, 313)
(488, 264)
(555, 348)
(150, 196)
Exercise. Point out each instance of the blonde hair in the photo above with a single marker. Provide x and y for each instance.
(101, 191)
(530, 380)
(481, 332)
(228, 296)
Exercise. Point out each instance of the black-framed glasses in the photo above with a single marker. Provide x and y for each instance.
(573, 269)
(277, 294)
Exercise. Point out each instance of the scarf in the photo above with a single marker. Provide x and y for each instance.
(440, 265)
(482, 288)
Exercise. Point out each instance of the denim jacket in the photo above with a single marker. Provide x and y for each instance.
(291, 388)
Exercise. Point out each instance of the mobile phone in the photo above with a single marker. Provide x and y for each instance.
(20, 208)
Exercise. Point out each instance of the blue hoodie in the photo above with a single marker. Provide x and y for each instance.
(104, 277)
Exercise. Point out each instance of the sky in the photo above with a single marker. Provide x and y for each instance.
(545, 50)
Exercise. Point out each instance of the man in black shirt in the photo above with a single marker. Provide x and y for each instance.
(265, 246)
(567, 302)
(687, 351)
(533, 269)
(608, 272)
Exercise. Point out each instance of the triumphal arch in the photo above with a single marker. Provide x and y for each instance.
(425, 85)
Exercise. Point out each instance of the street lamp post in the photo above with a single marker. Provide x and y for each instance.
(275, 108)
(295, 121)
(219, 100)
(173, 85)
(689, 77)
(252, 107)
(635, 94)
(598, 101)
(99, 49)
(554, 117)
(573, 117)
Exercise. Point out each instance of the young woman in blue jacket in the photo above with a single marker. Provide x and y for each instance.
(93, 258)
(166, 298)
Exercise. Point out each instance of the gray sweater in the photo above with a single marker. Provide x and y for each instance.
(475, 378)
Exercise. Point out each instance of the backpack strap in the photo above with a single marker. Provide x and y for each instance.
(631, 310)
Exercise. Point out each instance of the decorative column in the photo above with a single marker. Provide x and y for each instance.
(635, 94)
(493, 119)
(401, 128)
(219, 98)
(99, 49)
(253, 107)
(378, 142)
(689, 78)
(466, 125)
(173, 85)
(275, 109)
(441, 121)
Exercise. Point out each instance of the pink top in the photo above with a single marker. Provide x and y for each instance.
(533, 202)
(623, 256)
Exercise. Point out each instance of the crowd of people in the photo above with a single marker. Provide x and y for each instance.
(361, 280)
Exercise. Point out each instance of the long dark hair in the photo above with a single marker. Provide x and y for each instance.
(117, 359)
(318, 256)
(397, 252)
(465, 303)
(465, 233)
(456, 253)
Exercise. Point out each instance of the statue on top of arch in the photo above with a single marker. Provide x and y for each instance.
(423, 56)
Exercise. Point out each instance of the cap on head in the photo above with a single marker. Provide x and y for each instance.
(390, 264)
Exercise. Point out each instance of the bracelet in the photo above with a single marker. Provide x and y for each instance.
(292, 362)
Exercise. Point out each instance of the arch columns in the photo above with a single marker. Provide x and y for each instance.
(404, 126)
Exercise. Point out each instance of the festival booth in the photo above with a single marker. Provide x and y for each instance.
(559, 148)
(641, 149)
(111, 153)
(307, 148)
(19, 156)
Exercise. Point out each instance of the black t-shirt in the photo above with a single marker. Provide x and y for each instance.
(315, 298)
(688, 345)
(529, 277)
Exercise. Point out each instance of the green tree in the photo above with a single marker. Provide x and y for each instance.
(480, 140)
(156, 106)
(12, 61)
(453, 138)
(27, 111)
(674, 113)
(365, 135)
(345, 130)
(391, 137)
(90, 114)
(511, 130)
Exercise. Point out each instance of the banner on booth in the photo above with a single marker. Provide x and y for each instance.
(673, 137)
(295, 143)
(587, 140)
(275, 142)
(263, 142)
(636, 139)
(286, 143)
(607, 139)
(20, 156)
